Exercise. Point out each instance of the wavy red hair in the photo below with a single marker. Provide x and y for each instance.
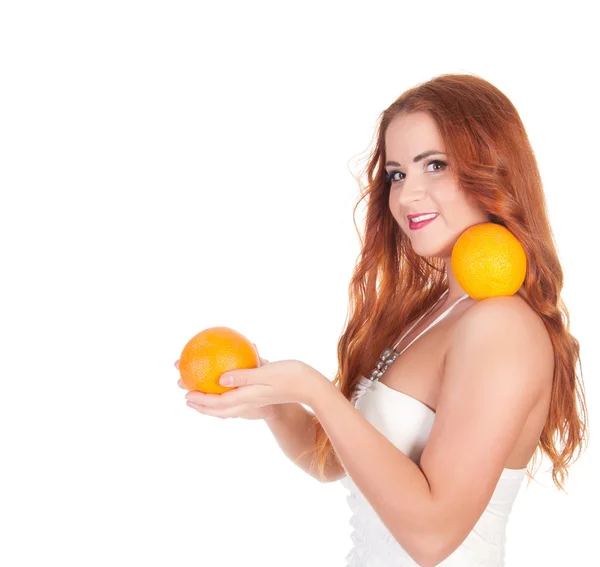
(489, 151)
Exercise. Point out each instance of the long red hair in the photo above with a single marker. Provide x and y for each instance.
(489, 151)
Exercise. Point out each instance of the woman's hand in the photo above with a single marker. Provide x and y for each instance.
(264, 412)
(258, 391)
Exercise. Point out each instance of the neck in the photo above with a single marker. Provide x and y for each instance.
(455, 291)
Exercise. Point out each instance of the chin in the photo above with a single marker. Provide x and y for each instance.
(428, 252)
(433, 251)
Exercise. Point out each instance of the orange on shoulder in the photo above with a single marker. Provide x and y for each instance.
(489, 261)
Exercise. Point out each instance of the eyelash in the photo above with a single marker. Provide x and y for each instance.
(388, 176)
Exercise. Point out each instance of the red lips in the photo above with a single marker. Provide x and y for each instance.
(410, 217)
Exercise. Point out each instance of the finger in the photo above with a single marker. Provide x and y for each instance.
(254, 396)
(244, 377)
(222, 413)
(198, 397)
(181, 384)
(211, 400)
(177, 364)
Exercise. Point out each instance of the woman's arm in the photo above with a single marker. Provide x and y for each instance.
(294, 432)
(495, 369)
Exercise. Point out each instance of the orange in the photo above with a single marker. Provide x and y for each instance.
(488, 260)
(211, 353)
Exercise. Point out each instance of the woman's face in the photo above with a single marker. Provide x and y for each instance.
(426, 186)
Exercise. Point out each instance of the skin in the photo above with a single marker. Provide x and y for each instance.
(491, 401)
(265, 412)
(428, 186)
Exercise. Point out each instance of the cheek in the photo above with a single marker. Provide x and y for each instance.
(393, 210)
(446, 201)
(454, 205)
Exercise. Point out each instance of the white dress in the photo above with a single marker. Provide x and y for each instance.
(407, 423)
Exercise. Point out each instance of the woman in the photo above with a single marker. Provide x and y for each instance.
(433, 441)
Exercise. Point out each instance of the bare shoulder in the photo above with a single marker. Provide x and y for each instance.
(507, 325)
(509, 311)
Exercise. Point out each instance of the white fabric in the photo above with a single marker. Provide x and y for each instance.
(407, 423)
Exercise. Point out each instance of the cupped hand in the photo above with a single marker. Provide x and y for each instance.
(264, 412)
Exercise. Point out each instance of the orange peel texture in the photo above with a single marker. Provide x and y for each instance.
(211, 353)
(488, 260)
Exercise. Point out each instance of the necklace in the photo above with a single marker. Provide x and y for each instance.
(387, 357)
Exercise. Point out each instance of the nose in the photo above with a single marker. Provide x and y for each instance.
(412, 190)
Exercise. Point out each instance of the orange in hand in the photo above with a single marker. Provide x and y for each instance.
(488, 260)
(211, 353)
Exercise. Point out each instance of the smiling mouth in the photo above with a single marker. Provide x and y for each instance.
(421, 221)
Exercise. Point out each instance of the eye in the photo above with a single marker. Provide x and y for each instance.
(390, 177)
(437, 161)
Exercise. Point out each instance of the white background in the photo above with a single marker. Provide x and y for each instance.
(170, 166)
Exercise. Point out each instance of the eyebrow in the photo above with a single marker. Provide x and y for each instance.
(417, 158)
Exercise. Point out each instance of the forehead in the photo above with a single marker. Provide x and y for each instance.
(411, 134)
